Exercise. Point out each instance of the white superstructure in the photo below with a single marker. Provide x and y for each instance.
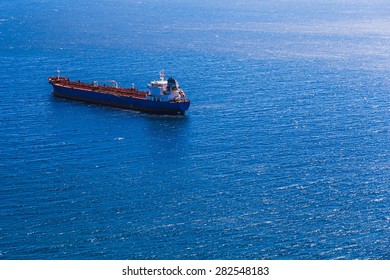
(165, 90)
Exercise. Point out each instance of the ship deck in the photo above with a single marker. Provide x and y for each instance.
(104, 89)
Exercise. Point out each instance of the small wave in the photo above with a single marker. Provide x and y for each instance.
(377, 200)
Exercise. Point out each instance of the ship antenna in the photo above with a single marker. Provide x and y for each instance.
(58, 71)
(162, 74)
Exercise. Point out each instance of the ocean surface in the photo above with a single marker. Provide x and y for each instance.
(283, 154)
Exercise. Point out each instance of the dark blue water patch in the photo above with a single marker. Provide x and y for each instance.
(279, 157)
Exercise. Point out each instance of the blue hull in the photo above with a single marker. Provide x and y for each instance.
(118, 101)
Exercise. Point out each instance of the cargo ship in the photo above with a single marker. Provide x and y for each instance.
(162, 96)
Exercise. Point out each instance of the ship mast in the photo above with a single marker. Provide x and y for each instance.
(162, 75)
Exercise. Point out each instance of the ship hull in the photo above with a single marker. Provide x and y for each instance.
(120, 101)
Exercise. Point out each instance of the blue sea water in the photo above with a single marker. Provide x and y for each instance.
(283, 154)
